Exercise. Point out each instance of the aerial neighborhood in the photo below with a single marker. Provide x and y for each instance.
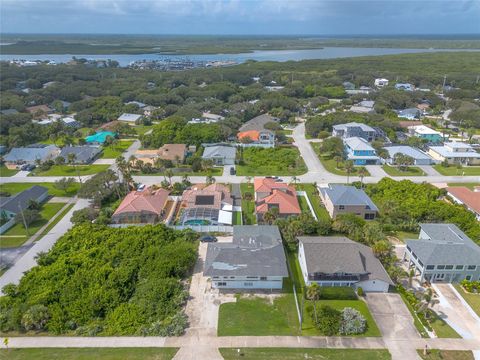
(340, 200)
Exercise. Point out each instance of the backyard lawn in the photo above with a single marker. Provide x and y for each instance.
(446, 355)
(472, 299)
(112, 152)
(301, 354)
(142, 129)
(68, 170)
(237, 218)
(13, 188)
(4, 172)
(17, 235)
(279, 161)
(89, 353)
(453, 171)
(248, 206)
(315, 200)
(410, 171)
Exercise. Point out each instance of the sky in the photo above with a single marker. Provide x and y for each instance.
(241, 17)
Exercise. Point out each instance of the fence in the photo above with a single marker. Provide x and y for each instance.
(304, 194)
(197, 228)
(7, 225)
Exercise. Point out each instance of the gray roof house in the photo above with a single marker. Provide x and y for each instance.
(255, 259)
(28, 154)
(257, 123)
(12, 205)
(354, 129)
(342, 199)
(443, 253)
(220, 154)
(419, 157)
(339, 261)
(83, 154)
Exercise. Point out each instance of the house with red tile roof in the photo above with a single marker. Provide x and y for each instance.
(147, 206)
(464, 196)
(270, 194)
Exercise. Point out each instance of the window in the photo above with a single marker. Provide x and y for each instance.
(252, 277)
(430, 267)
(459, 267)
(341, 207)
(471, 267)
(369, 216)
(248, 284)
(221, 284)
(468, 277)
(263, 278)
(440, 267)
(449, 267)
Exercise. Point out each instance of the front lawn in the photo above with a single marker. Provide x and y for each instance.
(112, 152)
(442, 329)
(248, 206)
(446, 355)
(467, 185)
(215, 171)
(237, 218)
(454, 171)
(472, 299)
(55, 222)
(331, 165)
(13, 188)
(410, 171)
(315, 200)
(301, 354)
(5, 172)
(89, 353)
(70, 170)
(279, 161)
(17, 235)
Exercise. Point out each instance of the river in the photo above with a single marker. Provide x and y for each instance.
(270, 55)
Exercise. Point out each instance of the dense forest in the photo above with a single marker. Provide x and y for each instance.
(99, 280)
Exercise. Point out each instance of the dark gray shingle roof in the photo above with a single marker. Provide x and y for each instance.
(20, 201)
(348, 195)
(82, 153)
(257, 123)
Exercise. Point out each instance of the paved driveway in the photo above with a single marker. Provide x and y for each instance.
(395, 322)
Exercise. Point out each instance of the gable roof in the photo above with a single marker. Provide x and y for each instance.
(347, 195)
(82, 153)
(129, 117)
(222, 151)
(330, 255)
(20, 201)
(147, 200)
(30, 153)
(468, 197)
(407, 150)
(252, 134)
(262, 184)
(354, 124)
(257, 123)
(357, 143)
(254, 251)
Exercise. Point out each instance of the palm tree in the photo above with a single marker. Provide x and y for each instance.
(427, 303)
(348, 169)
(248, 178)
(71, 160)
(362, 172)
(210, 179)
(337, 160)
(169, 174)
(294, 180)
(270, 216)
(313, 294)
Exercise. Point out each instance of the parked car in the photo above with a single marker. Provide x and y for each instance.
(28, 167)
(232, 171)
(208, 238)
(141, 187)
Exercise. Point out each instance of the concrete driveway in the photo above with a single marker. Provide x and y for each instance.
(455, 313)
(395, 322)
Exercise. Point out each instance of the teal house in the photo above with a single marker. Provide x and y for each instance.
(100, 137)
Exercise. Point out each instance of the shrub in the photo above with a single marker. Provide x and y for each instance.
(352, 322)
(471, 286)
(35, 318)
(328, 320)
(360, 291)
(337, 293)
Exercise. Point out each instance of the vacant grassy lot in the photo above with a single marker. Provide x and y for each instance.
(17, 235)
(468, 185)
(13, 188)
(446, 355)
(248, 206)
(112, 152)
(454, 171)
(472, 299)
(410, 171)
(68, 170)
(4, 172)
(89, 353)
(301, 354)
(280, 161)
(55, 222)
(315, 200)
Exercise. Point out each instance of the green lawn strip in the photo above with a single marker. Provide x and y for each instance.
(112, 152)
(258, 317)
(434, 354)
(303, 204)
(300, 354)
(453, 171)
(142, 129)
(89, 353)
(248, 206)
(472, 299)
(404, 235)
(55, 222)
(279, 161)
(13, 188)
(237, 218)
(5, 172)
(214, 172)
(467, 185)
(410, 171)
(442, 329)
(416, 321)
(314, 198)
(68, 170)
(18, 230)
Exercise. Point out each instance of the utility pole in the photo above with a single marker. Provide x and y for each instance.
(24, 221)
